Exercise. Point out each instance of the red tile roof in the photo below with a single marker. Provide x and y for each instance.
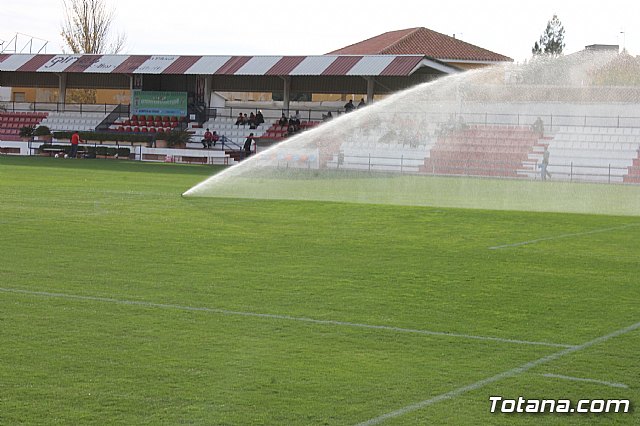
(423, 41)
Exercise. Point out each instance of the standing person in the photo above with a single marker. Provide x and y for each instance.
(247, 145)
(75, 140)
(545, 163)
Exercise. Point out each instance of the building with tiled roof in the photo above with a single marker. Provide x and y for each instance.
(423, 41)
(378, 66)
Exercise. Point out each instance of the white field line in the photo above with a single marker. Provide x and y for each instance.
(281, 317)
(579, 379)
(557, 237)
(506, 374)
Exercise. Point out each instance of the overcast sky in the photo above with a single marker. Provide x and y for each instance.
(249, 27)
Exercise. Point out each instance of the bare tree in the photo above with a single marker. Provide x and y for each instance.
(87, 27)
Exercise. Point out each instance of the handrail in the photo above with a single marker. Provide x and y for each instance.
(14, 106)
(308, 114)
(228, 141)
(471, 167)
(551, 121)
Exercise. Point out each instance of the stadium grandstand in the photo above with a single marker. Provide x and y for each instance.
(152, 96)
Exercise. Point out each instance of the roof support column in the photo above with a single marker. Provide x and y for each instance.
(286, 97)
(62, 88)
(208, 88)
(371, 83)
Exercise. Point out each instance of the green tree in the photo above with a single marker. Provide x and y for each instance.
(552, 39)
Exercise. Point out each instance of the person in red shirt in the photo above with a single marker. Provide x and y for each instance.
(207, 140)
(75, 140)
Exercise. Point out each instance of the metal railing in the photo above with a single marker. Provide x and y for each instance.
(308, 114)
(481, 168)
(14, 106)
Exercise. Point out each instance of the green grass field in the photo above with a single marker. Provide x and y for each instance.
(123, 303)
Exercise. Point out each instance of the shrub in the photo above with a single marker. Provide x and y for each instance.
(42, 131)
(105, 137)
(26, 131)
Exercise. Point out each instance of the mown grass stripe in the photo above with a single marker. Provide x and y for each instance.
(281, 317)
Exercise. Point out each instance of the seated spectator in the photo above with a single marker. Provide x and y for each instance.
(327, 117)
(207, 140)
(259, 118)
(362, 103)
(283, 121)
(462, 125)
(215, 138)
(538, 127)
(295, 122)
(240, 120)
(252, 121)
(349, 106)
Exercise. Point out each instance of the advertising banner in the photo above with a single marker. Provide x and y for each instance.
(159, 103)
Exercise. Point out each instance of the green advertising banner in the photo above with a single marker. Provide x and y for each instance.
(159, 103)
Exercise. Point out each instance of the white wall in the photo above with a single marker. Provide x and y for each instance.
(5, 94)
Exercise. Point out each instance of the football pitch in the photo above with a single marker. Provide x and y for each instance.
(122, 302)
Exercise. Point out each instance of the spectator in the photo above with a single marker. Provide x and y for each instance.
(462, 125)
(362, 103)
(240, 120)
(207, 139)
(538, 127)
(75, 140)
(349, 106)
(283, 121)
(247, 145)
(215, 138)
(295, 122)
(259, 118)
(544, 173)
(252, 120)
(327, 117)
